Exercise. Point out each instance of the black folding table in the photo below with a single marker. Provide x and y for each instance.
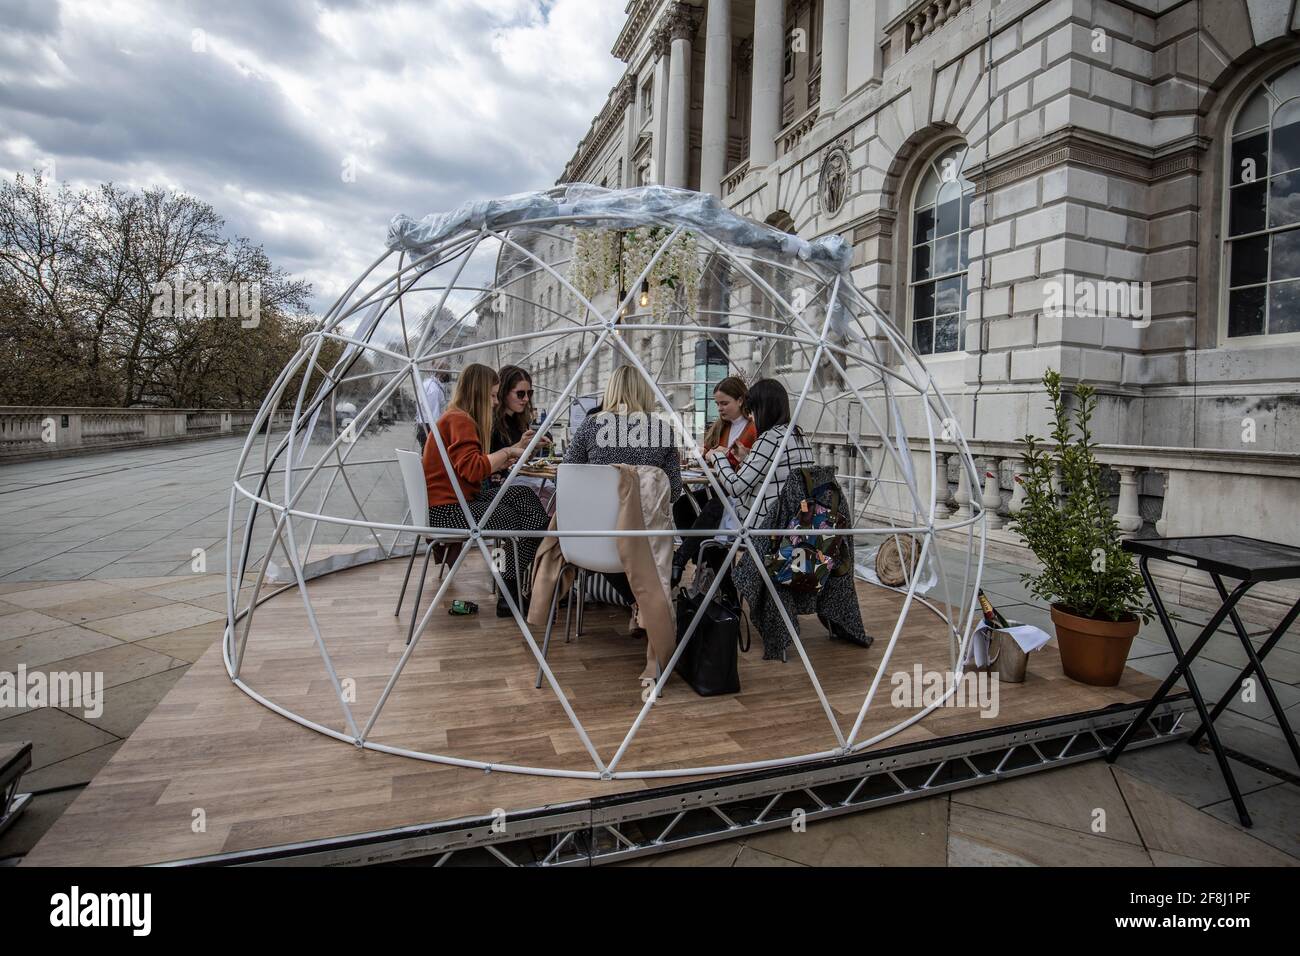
(1248, 561)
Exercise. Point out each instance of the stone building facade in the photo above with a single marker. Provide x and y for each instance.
(1105, 188)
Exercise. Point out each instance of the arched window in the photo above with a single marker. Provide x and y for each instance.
(940, 246)
(1262, 233)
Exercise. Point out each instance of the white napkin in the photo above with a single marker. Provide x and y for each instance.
(1029, 638)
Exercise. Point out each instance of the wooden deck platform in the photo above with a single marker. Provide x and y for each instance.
(213, 771)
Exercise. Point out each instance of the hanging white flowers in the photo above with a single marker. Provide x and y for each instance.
(674, 279)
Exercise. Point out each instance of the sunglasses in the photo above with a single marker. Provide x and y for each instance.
(523, 393)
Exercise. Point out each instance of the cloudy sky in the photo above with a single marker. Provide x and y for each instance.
(265, 108)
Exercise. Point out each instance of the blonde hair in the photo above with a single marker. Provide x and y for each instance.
(473, 396)
(628, 392)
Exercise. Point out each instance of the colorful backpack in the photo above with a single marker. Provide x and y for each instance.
(804, 561)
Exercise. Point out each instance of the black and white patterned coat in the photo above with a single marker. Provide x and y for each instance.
(836, 604)
(743, 483)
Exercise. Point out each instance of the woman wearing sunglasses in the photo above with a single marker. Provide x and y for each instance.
(514, 411)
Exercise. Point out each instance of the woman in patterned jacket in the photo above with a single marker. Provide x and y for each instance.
(768, 405)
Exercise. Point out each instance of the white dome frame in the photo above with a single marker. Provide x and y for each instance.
(843, 340)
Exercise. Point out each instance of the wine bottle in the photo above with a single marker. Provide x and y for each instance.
(991, 615)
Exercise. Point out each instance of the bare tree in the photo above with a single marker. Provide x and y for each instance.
(115, 296)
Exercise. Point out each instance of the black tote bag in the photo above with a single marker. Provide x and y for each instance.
(709, 663)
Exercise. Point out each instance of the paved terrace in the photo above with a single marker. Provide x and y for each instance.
(96, 574)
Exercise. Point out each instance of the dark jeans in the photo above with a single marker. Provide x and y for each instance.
(709, 519)
(421, 433)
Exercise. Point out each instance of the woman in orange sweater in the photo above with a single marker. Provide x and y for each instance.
(466, 429)
(724, 443)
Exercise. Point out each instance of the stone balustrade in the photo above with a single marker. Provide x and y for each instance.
(798, 128)
(733, 179)
(1154, 491)
(29, 432)
(924, 18)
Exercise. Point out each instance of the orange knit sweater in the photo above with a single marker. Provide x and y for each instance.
(464, 451)
(747, 438)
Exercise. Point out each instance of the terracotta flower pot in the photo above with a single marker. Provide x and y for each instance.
(1093, 652)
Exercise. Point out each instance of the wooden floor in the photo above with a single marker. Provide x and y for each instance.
(211, 770)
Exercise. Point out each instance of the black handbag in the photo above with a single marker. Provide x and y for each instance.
(709, 663)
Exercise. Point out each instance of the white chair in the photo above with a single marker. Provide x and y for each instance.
(586, 499)
(411, 466)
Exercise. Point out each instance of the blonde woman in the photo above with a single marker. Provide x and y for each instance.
(466, 430)
(626, 431)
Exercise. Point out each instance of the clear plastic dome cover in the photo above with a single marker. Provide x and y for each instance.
(571, 283)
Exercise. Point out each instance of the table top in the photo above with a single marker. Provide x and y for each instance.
(1232, 555)
(538, 471)
(549, 471)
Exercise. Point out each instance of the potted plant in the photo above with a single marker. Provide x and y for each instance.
(1096, 594)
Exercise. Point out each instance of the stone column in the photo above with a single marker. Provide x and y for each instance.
(765, 106)
(866, 21)
(627, 91)
(681, 28)
(992, 497)
(962, 496)
(658, 351)
(1127, 513)
(1162, 523)
(835, 55)
(717, 96)
(662, 44)
(1017, 502)
(941, 509)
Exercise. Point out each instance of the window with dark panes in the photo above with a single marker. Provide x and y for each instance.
(1262, 250)
(940, 254)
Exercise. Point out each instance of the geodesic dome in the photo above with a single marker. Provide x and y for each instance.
(317, 489)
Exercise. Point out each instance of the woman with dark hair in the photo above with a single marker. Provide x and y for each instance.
(463, 428)
(768, 405)
(514, 410)
(732, 430)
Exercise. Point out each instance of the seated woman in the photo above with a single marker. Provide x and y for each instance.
(513, 413)
(768, 405)
(626, 432)
(512, 420)
(836, 605)
(464, 427)
(733, 429)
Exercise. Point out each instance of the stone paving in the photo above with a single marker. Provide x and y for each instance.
(97, 574)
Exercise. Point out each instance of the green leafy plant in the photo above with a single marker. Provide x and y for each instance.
(602, 256)
(1074, 535)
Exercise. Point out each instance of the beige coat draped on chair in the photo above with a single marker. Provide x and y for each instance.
(647, 561)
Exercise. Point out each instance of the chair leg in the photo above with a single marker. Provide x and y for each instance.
(550, 623)
(409, 564)
(582, 605)
(568, 606)
(419, 590)
(524, 580)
